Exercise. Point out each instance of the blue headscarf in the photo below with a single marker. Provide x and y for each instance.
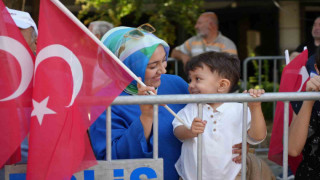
(134, 53)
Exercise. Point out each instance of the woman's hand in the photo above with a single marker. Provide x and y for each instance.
(313, 84)
(146, 109)
(237, 149)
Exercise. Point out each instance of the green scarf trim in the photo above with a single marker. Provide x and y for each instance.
(132, 89)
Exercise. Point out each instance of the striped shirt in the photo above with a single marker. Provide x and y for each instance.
(197, 45)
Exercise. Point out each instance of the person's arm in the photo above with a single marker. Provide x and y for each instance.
(131, 131)
(258, 126)
(128, 140)
(183, 52)
(97, 134)
(197, 127)
(229, 47)
(177, 54)
(298, 130)
(146, 116)
(133, 140)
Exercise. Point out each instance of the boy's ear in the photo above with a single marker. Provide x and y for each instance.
(224, 86)
(316, 67)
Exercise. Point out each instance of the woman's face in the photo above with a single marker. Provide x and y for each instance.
(156, 67)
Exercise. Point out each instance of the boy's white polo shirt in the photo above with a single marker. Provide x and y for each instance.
(223, 130)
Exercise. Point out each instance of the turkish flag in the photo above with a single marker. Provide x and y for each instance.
(16, 71)
(72, 74)
(293, 79)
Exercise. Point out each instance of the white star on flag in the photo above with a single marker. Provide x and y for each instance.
(40, 109)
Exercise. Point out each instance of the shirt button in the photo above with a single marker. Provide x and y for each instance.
(211, 116)
(214, 122)
(214, 130)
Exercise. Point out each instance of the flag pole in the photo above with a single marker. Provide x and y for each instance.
(95, 39)
(286, 53)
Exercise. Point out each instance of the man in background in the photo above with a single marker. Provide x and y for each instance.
(208, 38)
(311, 45)
(99, 28)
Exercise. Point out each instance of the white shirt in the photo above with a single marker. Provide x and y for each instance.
(223, 130)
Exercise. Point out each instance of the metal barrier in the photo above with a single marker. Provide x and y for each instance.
(211, 98)
(176, 66)
(275, 60)
(133, 168)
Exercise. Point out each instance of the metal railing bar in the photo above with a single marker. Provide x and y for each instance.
(155, 131)
(108, 124)
(258, 150)
(244, 142)
(285, 140)
(176, 71)
(264, 57)
(199, 145)
(275, 81)
(176, 67)
(211, 98)
(260, 72)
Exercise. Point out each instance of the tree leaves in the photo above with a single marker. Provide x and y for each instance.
(167, 16)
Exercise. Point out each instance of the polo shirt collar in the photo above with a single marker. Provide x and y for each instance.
(221, 108)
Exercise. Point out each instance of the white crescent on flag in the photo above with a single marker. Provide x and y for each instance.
(57, 50)
(22, 55)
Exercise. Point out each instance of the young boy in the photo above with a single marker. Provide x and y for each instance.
(212, 73)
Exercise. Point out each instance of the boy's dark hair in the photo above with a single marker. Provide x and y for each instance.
(226, 65)
(317, 57)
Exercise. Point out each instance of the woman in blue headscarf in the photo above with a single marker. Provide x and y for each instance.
(145, 55)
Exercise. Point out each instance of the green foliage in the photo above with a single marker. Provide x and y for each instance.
(164, 15)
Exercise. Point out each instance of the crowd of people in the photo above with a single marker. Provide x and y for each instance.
(212, 67)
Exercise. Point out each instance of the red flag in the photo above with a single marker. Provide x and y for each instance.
(16, 72)
(71, 71)
(293, 79)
